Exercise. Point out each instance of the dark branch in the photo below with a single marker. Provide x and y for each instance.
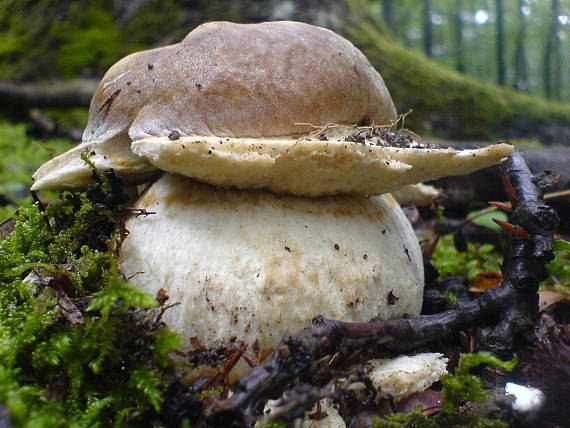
(59, 94)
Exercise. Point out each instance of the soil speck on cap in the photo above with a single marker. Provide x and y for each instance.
(407, 253)
(392, 299)
(336, 246)
(174, 135)
(150, 66)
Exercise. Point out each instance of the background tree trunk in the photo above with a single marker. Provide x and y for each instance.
(520, 64)
(427, 29)
(388, 9)
(501, 65)
(557, 51)
(459, 47)
(551, 49)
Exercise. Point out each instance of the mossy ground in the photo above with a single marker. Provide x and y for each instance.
(75, 346)
(78, 345)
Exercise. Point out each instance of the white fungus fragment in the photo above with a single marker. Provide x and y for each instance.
(404, 375)
(527, 400)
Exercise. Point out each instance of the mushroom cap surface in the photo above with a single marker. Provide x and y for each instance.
(240, 80)
(254, 265)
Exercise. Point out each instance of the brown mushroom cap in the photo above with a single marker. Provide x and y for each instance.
(240, 80)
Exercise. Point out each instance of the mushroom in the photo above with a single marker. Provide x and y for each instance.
(275, 206)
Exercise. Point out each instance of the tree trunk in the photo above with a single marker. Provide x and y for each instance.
(520, 64)
(59, 94)
(550, 53)
(388, 9)
(428, 29)
(557, 51)
(501, 65)
(459, 48)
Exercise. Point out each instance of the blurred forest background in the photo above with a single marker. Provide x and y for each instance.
(476, 70)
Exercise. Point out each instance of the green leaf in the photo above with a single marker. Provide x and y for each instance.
(486, 219)
(561, 245)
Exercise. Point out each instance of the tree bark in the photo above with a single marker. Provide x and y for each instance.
(427, 29)
(520, 64)
(557, 52)
(551, 62)
(59, 94)
(501, 65)
(388, 9)
(459, 47)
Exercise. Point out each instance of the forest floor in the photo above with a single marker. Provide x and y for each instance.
(465, 258)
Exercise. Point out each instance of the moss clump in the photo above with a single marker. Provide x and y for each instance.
(84, 37)
(478, 258)
(419, 420)
(21, 155)
(463, 385)
(78, 345)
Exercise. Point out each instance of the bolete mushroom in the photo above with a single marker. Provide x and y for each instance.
(236, 106)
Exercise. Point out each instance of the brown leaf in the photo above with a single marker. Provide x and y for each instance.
(6, 227)
(68, 309)
(504, 206)
(429, 403)
(549, 298)
(484, 281)
(512, 229)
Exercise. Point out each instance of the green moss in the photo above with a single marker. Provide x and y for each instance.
(71, 118)
(418, 420)
(559, 269)
(478, 258)
(88, 39)
(47, 38)
(21, 156)
(463, 385)
(77, 345)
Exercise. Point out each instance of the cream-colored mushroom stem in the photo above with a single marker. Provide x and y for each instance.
(310, 166)
(254, 265)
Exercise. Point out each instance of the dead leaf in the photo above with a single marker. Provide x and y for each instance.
(6, 227)
(549, 298)
(484, 281)
(68, 309)
(429, 403)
